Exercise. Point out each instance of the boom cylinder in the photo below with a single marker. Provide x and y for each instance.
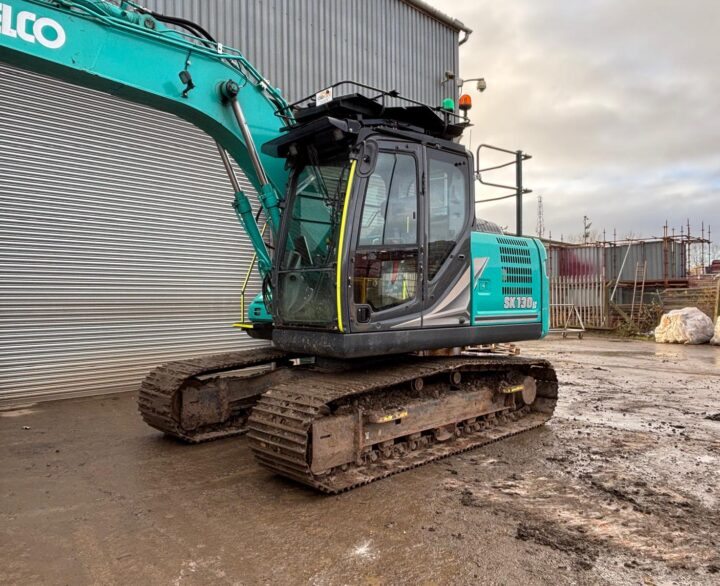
(244, 211)
(267, 194)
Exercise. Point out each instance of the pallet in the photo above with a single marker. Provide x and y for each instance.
(509, 349)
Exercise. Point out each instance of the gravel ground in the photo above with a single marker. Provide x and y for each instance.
(621, 487)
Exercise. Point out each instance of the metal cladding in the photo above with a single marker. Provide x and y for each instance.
(589, 276)
(119, 249)
(302, 46)
(666, 259)
(575, 261)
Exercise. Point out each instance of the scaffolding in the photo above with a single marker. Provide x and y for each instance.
(611, 280)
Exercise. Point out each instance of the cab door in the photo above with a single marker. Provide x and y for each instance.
(386, 259)
(449, 217)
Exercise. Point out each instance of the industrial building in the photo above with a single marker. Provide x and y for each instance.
(119, 249)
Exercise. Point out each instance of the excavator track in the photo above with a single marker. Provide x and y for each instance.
(174, 400)
(282, 423)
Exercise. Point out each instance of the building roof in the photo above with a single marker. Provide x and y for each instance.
(453, 23)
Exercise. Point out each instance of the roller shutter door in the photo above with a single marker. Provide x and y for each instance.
(118, 246)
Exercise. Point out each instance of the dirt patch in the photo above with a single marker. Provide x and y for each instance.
(623, 482)
(607, 511)
(556, 538)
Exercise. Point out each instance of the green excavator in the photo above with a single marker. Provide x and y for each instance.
(380, 275)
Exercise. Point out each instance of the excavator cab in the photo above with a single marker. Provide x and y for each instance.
(376, 221)
(374, 254)
(307, 254)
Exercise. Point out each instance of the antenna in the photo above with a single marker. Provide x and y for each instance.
(540, 218)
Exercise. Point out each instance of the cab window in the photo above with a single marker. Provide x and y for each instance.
(386, 259)
(448, 199)
(390, 210)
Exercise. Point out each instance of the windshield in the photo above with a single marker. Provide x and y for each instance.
(306, 277)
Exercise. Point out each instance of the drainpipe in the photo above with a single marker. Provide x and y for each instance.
(423, 6)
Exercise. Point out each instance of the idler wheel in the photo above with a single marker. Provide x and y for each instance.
(529, 391)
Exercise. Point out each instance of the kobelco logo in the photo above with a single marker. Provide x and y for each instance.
(28, 27)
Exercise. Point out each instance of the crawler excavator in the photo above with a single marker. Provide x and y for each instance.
(379, 276)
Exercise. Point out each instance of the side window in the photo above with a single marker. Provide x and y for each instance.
(385, 276)
(448, 199)
(389, 213)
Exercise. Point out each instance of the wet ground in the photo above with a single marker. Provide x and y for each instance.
(622, 487)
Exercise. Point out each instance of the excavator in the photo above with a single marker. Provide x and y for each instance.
(376, 274)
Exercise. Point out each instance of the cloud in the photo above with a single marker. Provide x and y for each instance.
(617, 101)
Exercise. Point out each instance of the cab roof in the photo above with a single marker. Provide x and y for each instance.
(349, 114)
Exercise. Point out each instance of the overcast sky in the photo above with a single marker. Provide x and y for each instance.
(618, 101)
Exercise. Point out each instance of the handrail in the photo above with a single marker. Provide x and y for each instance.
(382, 94)
(243, 289)
(518, 188)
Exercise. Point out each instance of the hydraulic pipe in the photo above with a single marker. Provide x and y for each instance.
(252, 149)
(268, 197)
(228, 168)
(243, 209)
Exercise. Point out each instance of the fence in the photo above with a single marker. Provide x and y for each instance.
(705, 298)
(587, 293)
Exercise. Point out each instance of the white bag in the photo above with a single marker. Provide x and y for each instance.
(716, 338)
(684, 326)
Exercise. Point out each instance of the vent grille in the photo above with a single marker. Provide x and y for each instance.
(517, 280)
(514, 251)
(510, 254)
(517, 275)
(513, 241)
(517, 290)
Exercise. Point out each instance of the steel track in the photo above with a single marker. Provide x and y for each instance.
(160, 397)
(280, 423)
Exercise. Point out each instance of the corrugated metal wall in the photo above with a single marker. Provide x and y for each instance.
(118, 246)
(664, 260)
(304, 45)
(575, 261)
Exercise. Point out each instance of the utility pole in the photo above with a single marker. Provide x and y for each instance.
(540, 218)
(586, 229)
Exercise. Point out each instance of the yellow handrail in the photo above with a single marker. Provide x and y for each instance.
(246, 281)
